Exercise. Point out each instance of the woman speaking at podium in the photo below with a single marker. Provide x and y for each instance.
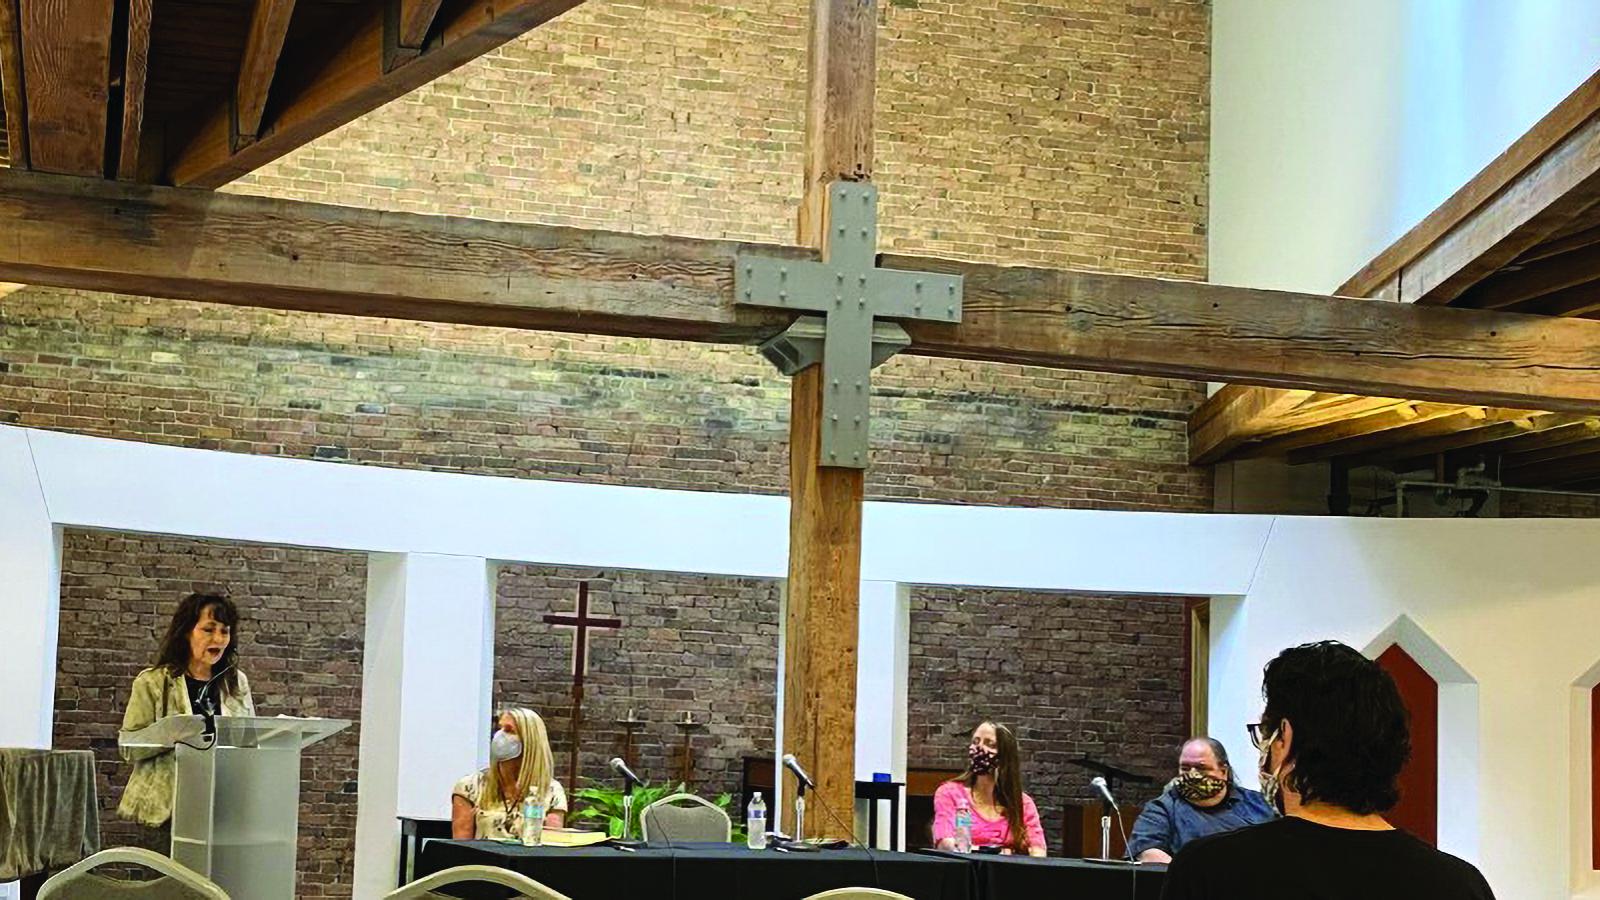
(196, 671)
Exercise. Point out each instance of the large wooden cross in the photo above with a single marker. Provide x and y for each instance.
(90, 234)
(580, 622)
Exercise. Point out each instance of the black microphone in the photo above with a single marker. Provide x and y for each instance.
(623, 770)
(793, 765)
(1099, 785)
(207, 688)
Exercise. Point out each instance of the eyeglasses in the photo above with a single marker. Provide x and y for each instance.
(1259, 734)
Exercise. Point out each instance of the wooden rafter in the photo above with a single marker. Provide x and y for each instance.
(416, 17)
(1461, 427)
(296, 255)
(66, 61)
(1531, 213)
(322, 86)
(1566, 118)
(135, 76)
(1355, 431)
(269, 26)
(12, 94)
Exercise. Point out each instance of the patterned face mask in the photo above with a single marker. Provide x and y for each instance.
(1271, 789)
(983, 759)
(1194, 785)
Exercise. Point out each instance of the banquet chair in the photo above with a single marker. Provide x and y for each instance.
(698, 820)
(429, 885)
(176, 881)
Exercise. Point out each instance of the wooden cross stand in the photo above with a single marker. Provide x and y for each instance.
(580, 623)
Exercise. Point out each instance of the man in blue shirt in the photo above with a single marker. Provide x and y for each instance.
(1202, 800)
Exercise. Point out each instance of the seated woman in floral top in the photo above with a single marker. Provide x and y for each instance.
(1002, 815)
(487, 805)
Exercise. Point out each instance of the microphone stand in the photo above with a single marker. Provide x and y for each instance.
(627, 809)
(799, 811)
(1105, 830)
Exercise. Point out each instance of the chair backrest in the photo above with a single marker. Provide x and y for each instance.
(177, 881)
(696, 819)
(429, 885)
(858, 894)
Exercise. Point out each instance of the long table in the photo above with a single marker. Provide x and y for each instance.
(696, 871)
(1018, 877)
(730, 870)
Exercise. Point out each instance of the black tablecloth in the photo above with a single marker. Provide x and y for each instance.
(695, 871)
(1026, 877)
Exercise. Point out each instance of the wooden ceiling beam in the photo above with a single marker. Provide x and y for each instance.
(1578, 240)
(1511, 288)
(1560, 186)
(269, 26)
(135, 75)
(256, 251)
(1494, 426)
(1349, 436)
(319, 88)
(66, 61)
(416, 17)
(1231, 424)
(1586, 440)
(1509, 166)
(12, 94)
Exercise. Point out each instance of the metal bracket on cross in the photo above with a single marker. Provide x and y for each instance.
(851, 293)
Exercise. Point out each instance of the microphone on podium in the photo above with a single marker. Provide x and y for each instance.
(621, 768)
(793, 765)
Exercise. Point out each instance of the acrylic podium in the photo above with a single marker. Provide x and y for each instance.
(236, 804)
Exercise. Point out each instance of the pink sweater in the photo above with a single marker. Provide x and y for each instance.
(985, 832)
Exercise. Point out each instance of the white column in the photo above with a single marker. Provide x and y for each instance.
(882, 668)
(30, 603)
(30, 598)
(427, 677)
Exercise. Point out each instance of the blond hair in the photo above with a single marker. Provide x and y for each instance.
(536, 765)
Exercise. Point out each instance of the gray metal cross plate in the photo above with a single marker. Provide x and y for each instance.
(851, 292)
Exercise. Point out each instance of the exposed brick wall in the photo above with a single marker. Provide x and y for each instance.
(1071, 674)
(300, 644)
(689, 643)
(1070, 133)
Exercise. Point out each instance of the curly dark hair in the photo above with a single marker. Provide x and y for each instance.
(1351, 731)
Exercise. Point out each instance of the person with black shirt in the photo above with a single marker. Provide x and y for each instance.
(1332, 739)
(196, 673)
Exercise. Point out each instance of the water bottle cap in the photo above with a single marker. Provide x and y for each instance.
(758, 795)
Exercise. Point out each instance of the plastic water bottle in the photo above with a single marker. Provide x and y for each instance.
(963, 827)
(532, 822)
(755, 823)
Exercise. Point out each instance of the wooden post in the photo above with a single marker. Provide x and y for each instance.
(823, 594)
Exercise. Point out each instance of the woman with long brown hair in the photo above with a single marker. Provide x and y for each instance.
(196, 672)
(991, 790)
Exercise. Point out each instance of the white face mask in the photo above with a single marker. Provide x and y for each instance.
(504, 746)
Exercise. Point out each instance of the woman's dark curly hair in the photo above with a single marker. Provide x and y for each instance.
(1351, 735)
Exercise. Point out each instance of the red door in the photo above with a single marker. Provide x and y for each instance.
(1418, 811)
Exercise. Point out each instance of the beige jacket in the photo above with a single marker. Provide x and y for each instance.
(157, 694)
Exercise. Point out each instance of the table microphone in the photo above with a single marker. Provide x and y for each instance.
(793, 765)
(622, 769)
(1099, 784)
